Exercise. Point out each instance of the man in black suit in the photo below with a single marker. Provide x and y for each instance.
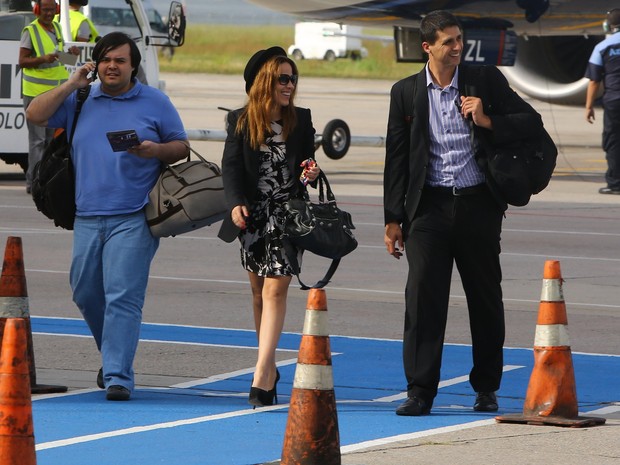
(439, 208)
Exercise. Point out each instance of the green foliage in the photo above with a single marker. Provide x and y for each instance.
(224, 49)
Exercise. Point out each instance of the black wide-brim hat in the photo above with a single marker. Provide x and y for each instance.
(256, 62)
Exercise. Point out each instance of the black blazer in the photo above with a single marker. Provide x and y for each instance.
(408, 139)
(240, 164)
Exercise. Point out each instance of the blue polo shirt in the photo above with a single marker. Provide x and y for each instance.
(108, 182)
(604, 65)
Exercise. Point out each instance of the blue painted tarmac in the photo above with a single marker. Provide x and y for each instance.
(212, 423)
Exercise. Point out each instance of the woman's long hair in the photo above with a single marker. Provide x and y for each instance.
(256, 117)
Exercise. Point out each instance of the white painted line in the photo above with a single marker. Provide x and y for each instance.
(409, 436)
(613, 408)
(442, 384)
(186, 236)
(231, 374)
(156, 426)
(356, 338)
(185, 343)
(370, 291)
(223, 416)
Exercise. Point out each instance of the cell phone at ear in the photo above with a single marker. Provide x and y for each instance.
(121, 141)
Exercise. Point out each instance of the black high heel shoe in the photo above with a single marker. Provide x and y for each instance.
(261, 398)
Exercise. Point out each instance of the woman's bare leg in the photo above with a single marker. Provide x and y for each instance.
(274, 294)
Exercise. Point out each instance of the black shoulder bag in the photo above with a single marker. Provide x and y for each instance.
(321, 228)
(53, 183)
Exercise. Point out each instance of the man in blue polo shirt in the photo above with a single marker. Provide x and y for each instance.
(112, 244)
(604, 67)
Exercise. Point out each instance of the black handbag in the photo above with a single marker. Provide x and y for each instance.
(53, 180)
(320, 228)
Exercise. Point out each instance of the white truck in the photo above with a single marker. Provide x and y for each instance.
(327, 41)
(130, 16)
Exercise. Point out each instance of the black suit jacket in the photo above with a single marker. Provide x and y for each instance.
(408, 140)
(240, 164)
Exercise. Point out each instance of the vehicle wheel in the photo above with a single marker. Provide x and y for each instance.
(336, 139)
(330, 56)
(356, 56)
(167, 53)
(297, 55)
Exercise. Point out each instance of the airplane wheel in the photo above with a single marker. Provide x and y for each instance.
(336, 139)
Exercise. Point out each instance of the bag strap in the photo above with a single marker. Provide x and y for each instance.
(216, 169)
(292, 257)
(193, 151)
(325, 191)
(82, 95)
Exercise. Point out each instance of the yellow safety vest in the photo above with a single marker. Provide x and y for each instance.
(75, 20)
(46, 76)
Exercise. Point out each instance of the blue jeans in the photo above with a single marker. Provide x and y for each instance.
(109, 273)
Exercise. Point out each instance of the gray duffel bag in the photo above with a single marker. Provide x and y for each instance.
(187, 196)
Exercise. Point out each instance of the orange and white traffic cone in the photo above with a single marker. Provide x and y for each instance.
(312, 436)
(551, 397)
(16, 428)
(14, 304)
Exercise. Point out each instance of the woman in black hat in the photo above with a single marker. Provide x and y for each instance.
(264, 163)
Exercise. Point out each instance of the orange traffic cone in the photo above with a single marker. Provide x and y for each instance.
(14, 304)
(551, 397)
(16, 429)
(312, 436)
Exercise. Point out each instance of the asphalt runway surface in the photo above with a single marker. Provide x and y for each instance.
(197, 285)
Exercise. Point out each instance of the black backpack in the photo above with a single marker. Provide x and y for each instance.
(516, 171)
(522, 169)
(53, 183)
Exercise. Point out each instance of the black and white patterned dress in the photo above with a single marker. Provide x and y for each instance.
(262, 250)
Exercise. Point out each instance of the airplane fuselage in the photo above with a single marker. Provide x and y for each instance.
(555, 37)
(562, 17)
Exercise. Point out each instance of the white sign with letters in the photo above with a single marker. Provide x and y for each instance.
(13, 129)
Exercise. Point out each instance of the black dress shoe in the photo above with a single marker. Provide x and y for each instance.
(485, 402)
(116, 392)
(414, 407)
(609, 190)
(100, 383)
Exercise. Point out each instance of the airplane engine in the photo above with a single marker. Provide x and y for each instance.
(551, 68)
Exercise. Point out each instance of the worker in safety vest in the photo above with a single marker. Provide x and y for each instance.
(82, 28)
(40, 45)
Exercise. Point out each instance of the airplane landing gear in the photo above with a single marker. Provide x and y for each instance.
(336, 139)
